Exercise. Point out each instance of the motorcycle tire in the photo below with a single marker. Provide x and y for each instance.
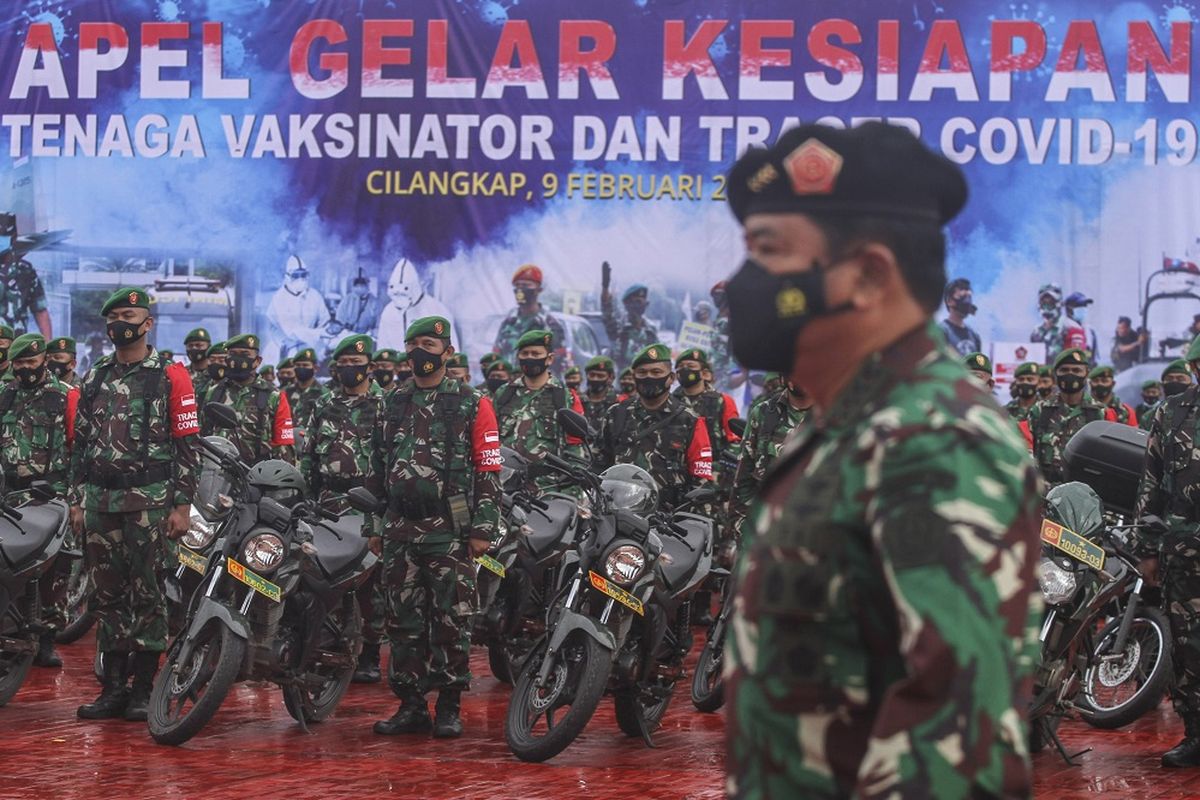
(633, 710)
(1151, 624)
(14, 668)
(345, 637)
(82, 621)
(708, 687)
(221, 675)
(499, 663)
(590, 677)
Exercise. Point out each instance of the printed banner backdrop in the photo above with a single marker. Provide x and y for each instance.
(432, 148)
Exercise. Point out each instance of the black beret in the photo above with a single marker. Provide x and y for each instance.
(873, 170)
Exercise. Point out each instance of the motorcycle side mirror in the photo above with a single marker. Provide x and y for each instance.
(738, 426)
(1154, 524)
(575, 424)
(361, 499)
(222, 415)
(41, 491)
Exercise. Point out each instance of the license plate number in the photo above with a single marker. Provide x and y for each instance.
(490, 564)
(254, 581)
(1074, 545)
(193, 560)
(605, 586)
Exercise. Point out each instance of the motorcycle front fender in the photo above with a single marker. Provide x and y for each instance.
(570, 621)
(207, 611)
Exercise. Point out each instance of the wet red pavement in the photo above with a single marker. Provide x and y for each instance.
(254, 748)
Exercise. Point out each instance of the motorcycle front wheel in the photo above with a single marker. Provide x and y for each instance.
(187, 695)
(708, 689)
(543, 721)
(1118, 688)
(80, 621)
(341, 640)
(14, 667)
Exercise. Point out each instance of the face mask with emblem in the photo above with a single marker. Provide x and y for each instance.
(122, 333)
(351, 375)
(423, 362)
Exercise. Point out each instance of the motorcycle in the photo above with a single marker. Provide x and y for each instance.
(79, 619)
(276, 603)
(31, 541)
(620, 619)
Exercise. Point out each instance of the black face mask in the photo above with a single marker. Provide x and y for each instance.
(240, 368)
(216, 371)
(526, 296)
(628, 387)
(1026, 390)
(532, 367)
(1102, 392)
(964, 306)
(1070, 384)
(495, 383)
(766, 312)
(284, 381)
(425, 363)
(122, 333)
(597, 387)
(30, 376)
(384, 377)
(1150, 399)
(305, 374)
(1045, 391)
(351, 375)
(59, 368)
(403, 375)
(196, 355)
(1170, 388)
(689, 378)
(650, 388)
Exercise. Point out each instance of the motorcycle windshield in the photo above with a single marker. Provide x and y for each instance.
(214, 481)
(1075, 506)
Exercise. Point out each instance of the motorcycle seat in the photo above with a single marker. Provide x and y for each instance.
(682, 562)
(548, 527)
(24, 542)
(337, 556)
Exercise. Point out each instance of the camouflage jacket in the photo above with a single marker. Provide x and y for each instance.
(1013, 407)
(515, 326)
(1124, 414)
(37, 428)
(720, 357)
(264, 420)
(528, 423)
(885, 627)
(1170, 485)
(627, 339)
(304, 403)
(337, 450)
(1051, 337)
(1145, 415)
(21, 294)
(595, 410)
(72, 379)
(200, 382)
(135, 437)
(1052, 423)
(434, 450)
(716, 410)
(671, 443)
(769, 424)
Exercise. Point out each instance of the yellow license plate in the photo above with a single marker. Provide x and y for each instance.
(255, 582)
(1073, 544)
(623, 597)
(490, 564)
(193, 560)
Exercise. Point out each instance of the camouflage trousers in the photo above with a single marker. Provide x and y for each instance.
(126, 560)
(1181, 600)
(372, 605)
(431, 599)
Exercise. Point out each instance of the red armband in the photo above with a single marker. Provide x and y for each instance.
(282, 432)
(72, 406)
(728, 412)
(182, 403)
(576, 406)
(700, 452)
(485, 438)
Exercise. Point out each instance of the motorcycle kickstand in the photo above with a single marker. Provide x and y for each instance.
(1062, 751)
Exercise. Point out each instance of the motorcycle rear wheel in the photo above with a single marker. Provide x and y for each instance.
(81, 620)
(342, 634)
(205, 680)
(1146, 665)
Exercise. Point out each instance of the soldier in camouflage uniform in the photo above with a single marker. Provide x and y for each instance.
(1102, 385)
(655, 431)
(264, 428)
(383, 369)
(715, 408)
(722, 360)
(459, 368)
(21, 293)
(213, 372)
(885, 623)
(573, 379)
(631, 333)
(529, 315)
(436, 460)
(403, 369)
(60, 359)
(1045, 383)
(37, 429)
(1050, 332)
(135, 465)
(600, 395)
(486, 361)
(1170, 490)
(287, 374)
(498, 373)
(6, 340)
(267, 373)
(1025, 381)
(1053, 422)
(1176, 378)
(980, 368)
(337, 458)
(1151, 397)
(195, 345)
(628, 386)
(306, 393)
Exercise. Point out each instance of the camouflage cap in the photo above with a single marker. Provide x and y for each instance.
(600, 362)
(692, 354)
(217, 349)
(307, 354)
(1150, 385)
(488, 358)
(636, 289)
(978, 362)
(459, 360)
(1193, 352)
(1177, 367)
(357, 345)
(61, 344)
(652, 354)
(245, 341)
(1101, 372)
(437, 327)
(389, 355)
(285, 364)
(536, 338)
(1028, 368)
(127, 297)
(499, 363)
(197, 335)
(6, 332)
(1072, 355)
(27, 345)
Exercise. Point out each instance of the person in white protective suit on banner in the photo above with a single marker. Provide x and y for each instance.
(297, 313)
(409, 302)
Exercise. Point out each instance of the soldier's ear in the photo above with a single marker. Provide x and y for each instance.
(257, 361)
(449, 351)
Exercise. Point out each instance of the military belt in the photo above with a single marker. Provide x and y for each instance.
(155, 473)
(15, 483)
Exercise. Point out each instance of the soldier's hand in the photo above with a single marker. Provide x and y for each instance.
(478, 546)
(177, 521)
(605, 276)
(1148, 567)
(77, 520)
(375, 544)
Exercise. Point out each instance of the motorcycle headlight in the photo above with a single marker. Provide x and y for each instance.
(263, 552)
(625, 564)
(1058, 584)
(200, 531)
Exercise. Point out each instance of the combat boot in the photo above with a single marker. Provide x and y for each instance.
(1187, 752)
(114, 696)
(46, 655)
(448, 724)
(145, 666)
(411, 717)
(368, 664)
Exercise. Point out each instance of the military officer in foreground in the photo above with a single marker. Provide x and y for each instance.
(436, 461)
(1053, 422)
(884, 628)
(60, 359)
(128, 491)
(1176, 378)
(307, 393)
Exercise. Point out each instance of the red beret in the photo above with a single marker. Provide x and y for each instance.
(528, 272)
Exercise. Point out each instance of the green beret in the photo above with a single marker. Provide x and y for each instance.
(307, 354)
(437, 327)
(627, 372)
(488, 358)
(459, 360)
(27, 345)
(693, 354)
(217, 349)
(536, 338)
(600, 362)
(267, 370)
(128, 297)
(285, 364)
(651, 354)
(1028, 368)
(1150, 385)
(1178, 366)
(401, 356)
(499, 363)
(357, 345)
(6, 332)
(169, 355)
(61, 344)
(978, 362)
(197, 335)
(387, 354)
(1193, 352)
(247, 341)
(1072, 355)
(1101, 372)
(572, 371)
(637, 288)
(1044, 372)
